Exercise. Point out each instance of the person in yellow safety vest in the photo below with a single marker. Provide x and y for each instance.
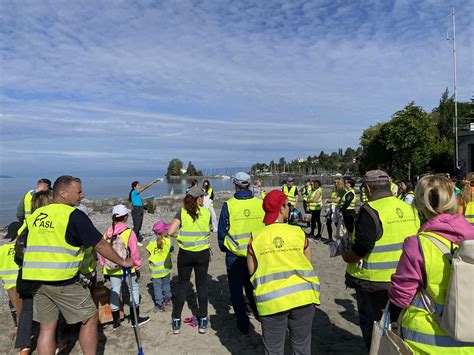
(26, 288)
(206, 187)
(363, 194)
(466, 199)
(305, 194)
(57, 234)
(332, 202)
(8, 267)
(286, 284)
(376, 245)
(393, 185)
(241, 217)
(424, 266)
(194, 224)
(257, 189)
(291, 192)
(160, 249)
(347, 204)
(315, 205)
(406, 193)
(24, 205)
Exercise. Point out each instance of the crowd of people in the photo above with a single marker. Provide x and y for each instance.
(50, 256)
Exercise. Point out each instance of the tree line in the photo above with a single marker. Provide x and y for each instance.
(410, 143)
(175, 169)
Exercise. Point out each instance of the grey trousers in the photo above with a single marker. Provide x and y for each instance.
(299, 323)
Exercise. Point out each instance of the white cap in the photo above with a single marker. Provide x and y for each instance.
(120, 210)
(242, 179)
(338, 175)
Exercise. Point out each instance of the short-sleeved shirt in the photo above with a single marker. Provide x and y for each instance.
(136, 199)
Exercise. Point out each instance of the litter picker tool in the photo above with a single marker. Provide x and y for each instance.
(127, 273)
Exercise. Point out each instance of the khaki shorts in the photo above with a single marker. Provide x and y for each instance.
(73, 301)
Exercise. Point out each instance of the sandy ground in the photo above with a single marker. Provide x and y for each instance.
(335, 329)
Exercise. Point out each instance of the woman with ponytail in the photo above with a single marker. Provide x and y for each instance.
(194, 224)
(424, 269)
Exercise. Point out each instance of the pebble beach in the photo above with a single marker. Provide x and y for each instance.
(335, 327)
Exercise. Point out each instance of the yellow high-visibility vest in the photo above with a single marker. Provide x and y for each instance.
(399, 220)
(89, 263)
(315, 205)
(209, 193)
(159, 261)
(352, 205)
(469, 212)
(290, 194)
(245, 219)
(48, 256)
(8, 267)
(284, 278)
(419, 328)
(194, 235)
(27, 202)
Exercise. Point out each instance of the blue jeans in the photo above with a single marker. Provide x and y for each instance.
(162, 289)
(116, 282)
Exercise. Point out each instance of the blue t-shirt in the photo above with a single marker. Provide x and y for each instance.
(136, 199)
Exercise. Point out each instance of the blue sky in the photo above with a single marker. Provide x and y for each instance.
(117, 85)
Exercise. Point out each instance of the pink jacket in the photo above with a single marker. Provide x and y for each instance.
(410, 270)
(132, 245)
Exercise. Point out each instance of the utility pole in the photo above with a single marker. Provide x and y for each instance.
(455, 121)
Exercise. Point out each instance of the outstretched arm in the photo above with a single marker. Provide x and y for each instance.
(141, 189)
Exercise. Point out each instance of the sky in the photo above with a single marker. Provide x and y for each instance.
(105, 86)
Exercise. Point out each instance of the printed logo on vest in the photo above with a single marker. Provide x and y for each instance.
(41, 221)
(247, 212)
(399, 212)
(278, 242)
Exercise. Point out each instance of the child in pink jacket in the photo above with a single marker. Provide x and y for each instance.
(435, 200)
(124, 241)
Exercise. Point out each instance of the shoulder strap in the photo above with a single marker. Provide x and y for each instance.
(443, 248)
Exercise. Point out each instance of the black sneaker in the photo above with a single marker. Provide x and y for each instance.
(202, 325)
(176, 325)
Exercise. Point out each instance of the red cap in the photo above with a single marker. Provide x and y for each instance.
(272, 205)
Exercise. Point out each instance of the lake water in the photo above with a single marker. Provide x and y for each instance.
(98, 188)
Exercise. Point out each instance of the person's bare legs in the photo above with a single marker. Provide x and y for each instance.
(47, 338)
(88, 336)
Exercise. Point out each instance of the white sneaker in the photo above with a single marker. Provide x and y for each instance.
(139, 244)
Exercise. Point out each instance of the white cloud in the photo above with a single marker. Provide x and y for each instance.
(219, 79)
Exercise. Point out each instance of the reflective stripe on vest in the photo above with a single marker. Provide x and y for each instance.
(399, 220)
(290, 194)
(284, 278)
(194, 235)
(48, 256)
(352, 205)
(419, 328)
(8, 267)
(283, 275)
(433, 340)
(245, 219)
(159, 261)
(315, 205)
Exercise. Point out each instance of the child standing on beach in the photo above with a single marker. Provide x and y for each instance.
(160, 250)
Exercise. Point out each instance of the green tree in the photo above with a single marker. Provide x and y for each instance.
(191, 170)
(174, 168)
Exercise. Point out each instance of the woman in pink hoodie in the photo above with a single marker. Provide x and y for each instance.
(124, 241)
(423, 266)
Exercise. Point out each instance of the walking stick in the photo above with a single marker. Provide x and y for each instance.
(136, 328)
